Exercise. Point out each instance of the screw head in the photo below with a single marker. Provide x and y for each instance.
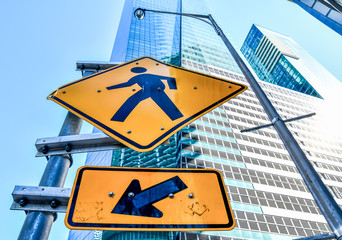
(129, 131)
(111, 194)
(45, 150)
(162, 128)
(133, 89)
(229, 86)
(171, 195)
(159, 89)
(22, 202)
(195, 87)
(130, 195)
(191, 195)
(68, 148)
(99, 90)
(64, 92)
(54, 203)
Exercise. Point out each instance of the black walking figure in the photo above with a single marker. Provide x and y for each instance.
(151, 87)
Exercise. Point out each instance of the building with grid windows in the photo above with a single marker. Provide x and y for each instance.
(278, 59)
(268, 196)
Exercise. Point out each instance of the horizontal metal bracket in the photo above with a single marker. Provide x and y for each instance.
(94, 66)
(318, 237)
(276, 120)
(40, 199)
(70, 144)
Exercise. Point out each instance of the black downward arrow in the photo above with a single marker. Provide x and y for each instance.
(139, 203)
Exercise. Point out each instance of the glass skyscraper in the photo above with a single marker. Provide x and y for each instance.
(278, 59)
(268, 196)
(328, 12)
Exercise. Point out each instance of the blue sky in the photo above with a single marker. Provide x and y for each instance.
(41, 42)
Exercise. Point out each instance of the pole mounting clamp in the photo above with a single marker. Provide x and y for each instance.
(274, 120)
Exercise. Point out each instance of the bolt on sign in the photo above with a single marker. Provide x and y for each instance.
(141, 199)
(143, 102)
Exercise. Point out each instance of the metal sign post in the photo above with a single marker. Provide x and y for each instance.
(37, 225)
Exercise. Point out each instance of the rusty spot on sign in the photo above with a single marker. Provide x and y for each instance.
(83, 213)
(197, 208)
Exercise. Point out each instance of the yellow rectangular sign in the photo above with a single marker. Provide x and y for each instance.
(141, 199)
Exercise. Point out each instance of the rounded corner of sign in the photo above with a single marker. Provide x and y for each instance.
(66, 222)
(245, 87)
(148, 147)
(217, 172)
(231, 225)
(142, 149)
(83, 168)
(228, 227)
(148, 57)
(52, 95)
(145, 57)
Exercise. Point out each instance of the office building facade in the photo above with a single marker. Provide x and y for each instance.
(268, 196)
(329, 12)
(279, 60)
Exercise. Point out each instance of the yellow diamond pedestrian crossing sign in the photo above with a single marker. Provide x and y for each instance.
(143, 102)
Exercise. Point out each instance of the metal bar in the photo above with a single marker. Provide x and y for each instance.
(299, 117)
(318, 237)
(256, 128)
(197, 16)
(71, 144)
(176, 13)
(37, 225)
(65, 145)
(271, 124)
(94, 66)
(326, 203)
(41, 199)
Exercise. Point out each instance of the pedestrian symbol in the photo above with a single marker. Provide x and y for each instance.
(151, 87)
(143, 102)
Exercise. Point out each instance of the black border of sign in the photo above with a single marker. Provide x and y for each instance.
(148, 226)
(120, 136)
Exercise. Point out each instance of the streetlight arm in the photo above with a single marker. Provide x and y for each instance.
(176, 13)
(140, 13)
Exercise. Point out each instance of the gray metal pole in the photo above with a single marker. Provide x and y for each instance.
(37, 225)
(326, 203)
